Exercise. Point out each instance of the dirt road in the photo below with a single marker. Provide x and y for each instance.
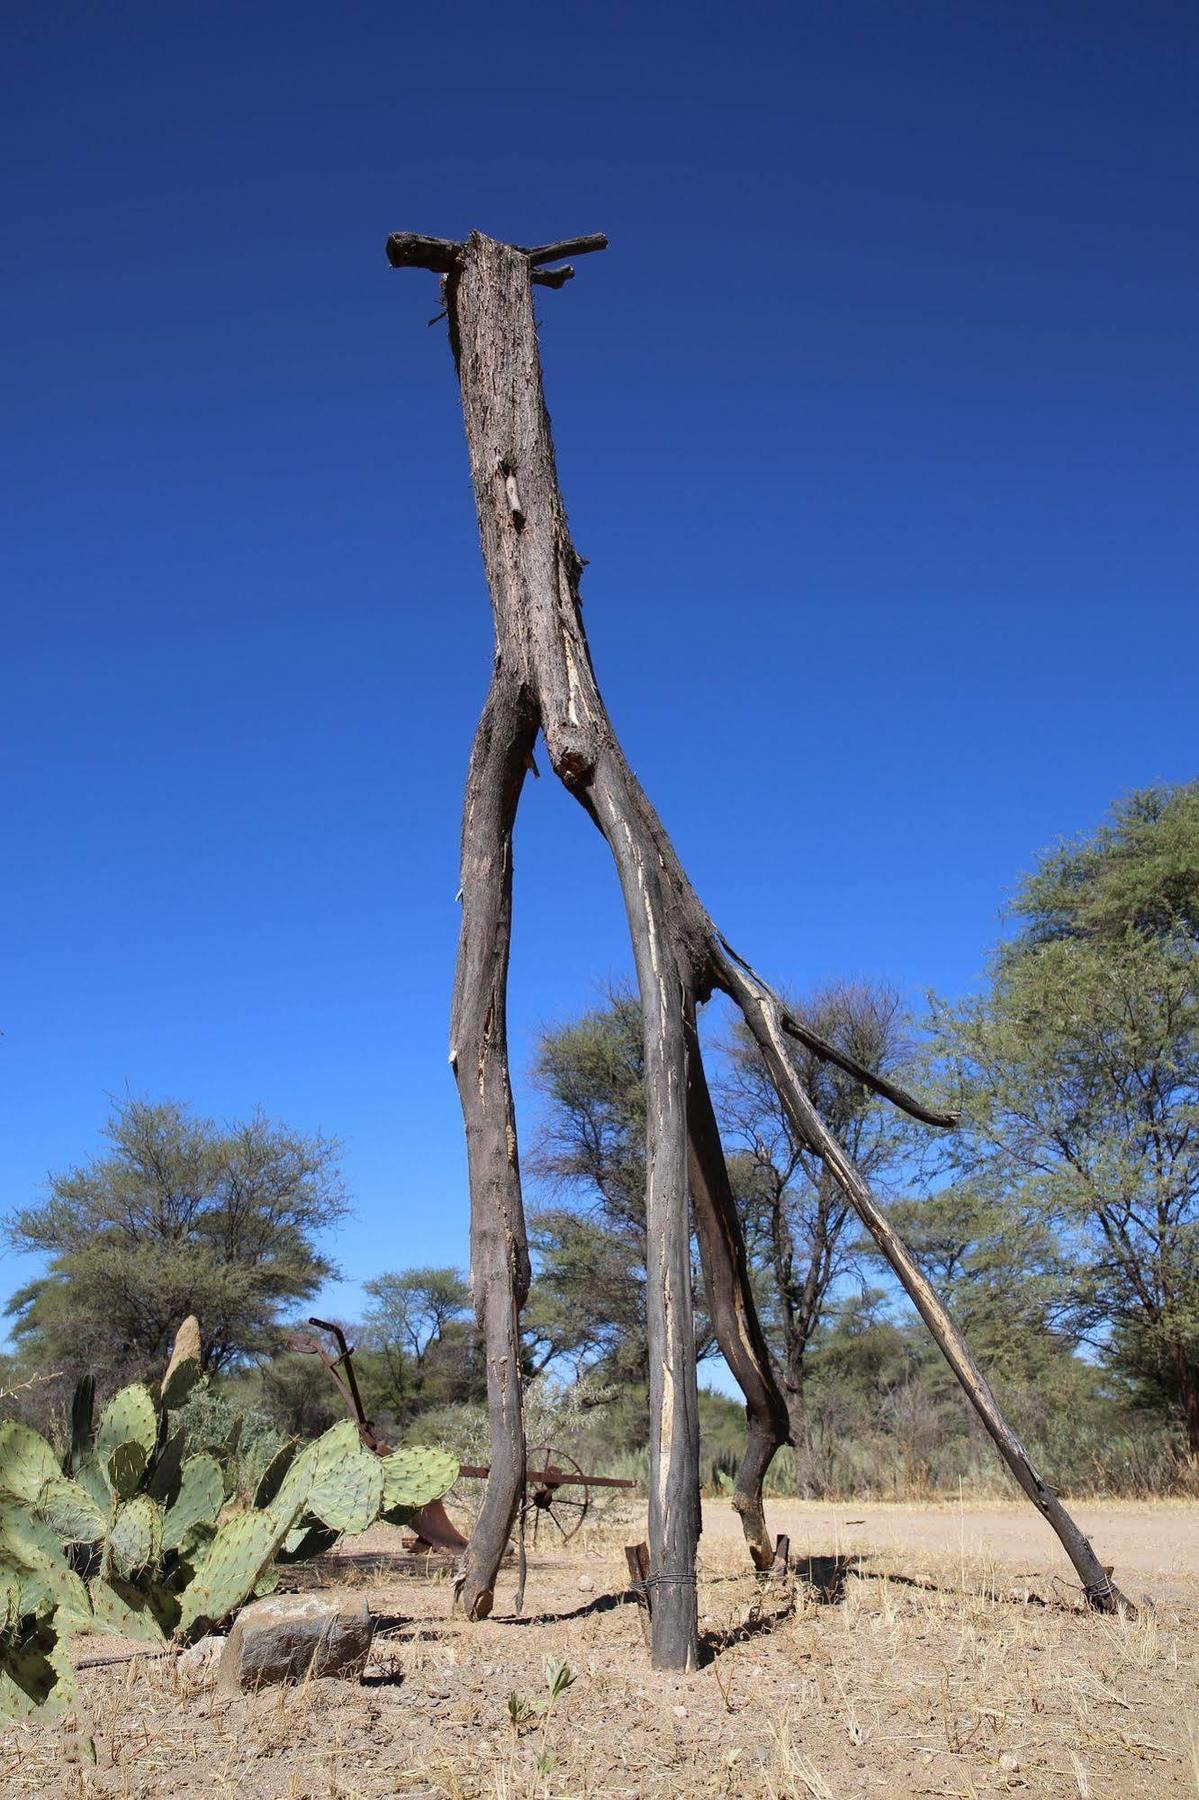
(1155, 1540)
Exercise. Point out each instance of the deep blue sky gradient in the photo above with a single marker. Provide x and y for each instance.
(877, 423)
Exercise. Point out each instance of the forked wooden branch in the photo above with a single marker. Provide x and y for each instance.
(544, 680)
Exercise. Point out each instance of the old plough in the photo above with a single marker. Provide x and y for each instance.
(557, 1490)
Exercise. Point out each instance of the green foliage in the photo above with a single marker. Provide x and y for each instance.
(178, 1216)
(524, 1713)
(419, 1344)
(587, 1305)
(1077, 1071)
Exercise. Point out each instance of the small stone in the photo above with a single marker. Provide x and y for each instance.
(199, 1664)
(586, 1585)
(288, 1636)
(680, 1712)
(1009, 1763)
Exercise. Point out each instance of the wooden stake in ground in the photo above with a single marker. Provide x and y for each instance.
(543, 681)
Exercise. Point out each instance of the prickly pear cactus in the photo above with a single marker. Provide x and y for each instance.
(70, 1512)
(235, 1561)
(36, 1678)
(126, 1439)
(135, 1537)
(199, 1499)
(141, 1512)
(183, 1370)
(29, 1476)
(271, 1479)
(146, 1611)
(414, 1477)
(26, 1462)
(32, 1555)
(347, 1488)
(291, 1497)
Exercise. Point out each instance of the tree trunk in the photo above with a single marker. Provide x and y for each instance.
(761, 1011)
(543, 676)
(797, 1424)
(499, 1254)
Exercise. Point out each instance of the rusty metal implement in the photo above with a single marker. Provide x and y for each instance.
(548, 1471)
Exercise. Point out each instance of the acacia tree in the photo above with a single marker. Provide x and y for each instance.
(1078, 1073)
(543, 682)
(418, 1325)
(798, 1213)
(178, 1215)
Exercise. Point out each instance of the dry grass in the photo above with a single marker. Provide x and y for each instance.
(899, 1672)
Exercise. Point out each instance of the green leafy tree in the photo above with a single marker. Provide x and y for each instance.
(1078, 1074)
(178, 1215)
(419, 1345)
(997, 1261)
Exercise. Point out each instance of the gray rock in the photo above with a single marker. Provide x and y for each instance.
(199, 1664)
(288, 1636)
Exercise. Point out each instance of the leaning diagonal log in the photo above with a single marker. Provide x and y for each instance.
(763, 1015)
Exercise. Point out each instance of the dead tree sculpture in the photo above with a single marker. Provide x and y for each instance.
(543, 682)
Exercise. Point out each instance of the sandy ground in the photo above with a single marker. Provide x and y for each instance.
(1154, 1542)
(924, 1651)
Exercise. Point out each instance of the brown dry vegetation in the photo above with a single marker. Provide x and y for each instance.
(935, 1651)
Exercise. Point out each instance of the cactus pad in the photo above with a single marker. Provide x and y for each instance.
(135, 1540)
(235, 1561)
(126, 1438)
(414, 1477)
(348, 1485)
(162, 1483)
(70, 1511)
(271, 1479)
(31, 1553)
(200, 1498)
(292, 1496)
(26, 1462)
(146, 1614)
(36, 1678)
(305, 1542)
(183, 1370)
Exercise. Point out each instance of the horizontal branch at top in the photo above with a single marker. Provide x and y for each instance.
(413, 250)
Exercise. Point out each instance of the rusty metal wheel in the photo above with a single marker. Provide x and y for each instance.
(555, 1489)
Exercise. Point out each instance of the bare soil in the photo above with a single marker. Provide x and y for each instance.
(932, 1650)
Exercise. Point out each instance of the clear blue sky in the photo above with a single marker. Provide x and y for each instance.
(877, 423)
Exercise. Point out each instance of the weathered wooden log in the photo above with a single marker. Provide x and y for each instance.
(499, 1254)
(763, 1014)
(533, 573)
